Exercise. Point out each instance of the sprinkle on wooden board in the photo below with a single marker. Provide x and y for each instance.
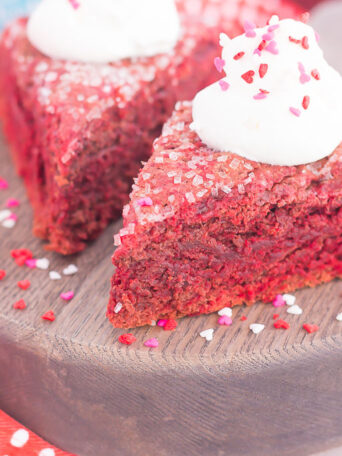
(24, 284)
(127, 339)
(2, 274)
(281, 324)
(20, 305)
(310, 328)
(49, 316)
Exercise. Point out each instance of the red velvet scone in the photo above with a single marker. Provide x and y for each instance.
(206, 229)
(78, 132)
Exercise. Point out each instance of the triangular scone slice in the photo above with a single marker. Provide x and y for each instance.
(206, 229)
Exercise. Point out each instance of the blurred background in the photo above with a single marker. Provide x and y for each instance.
(326, 18)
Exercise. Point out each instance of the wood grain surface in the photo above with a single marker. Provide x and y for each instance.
(278, 393)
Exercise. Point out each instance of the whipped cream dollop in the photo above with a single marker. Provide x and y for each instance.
(280, 102)
(102, 31)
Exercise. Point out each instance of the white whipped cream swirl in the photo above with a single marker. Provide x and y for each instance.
(102, 31)
(280, 102)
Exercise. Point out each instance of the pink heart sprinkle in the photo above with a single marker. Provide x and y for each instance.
(224, 85)
(250, 33)
(257, 51)
(304, 78)
(268, 36)
(272, 48)
(260, 96)
(145, 201)
(67, 296)
(301, 67)
(248, 25)
(74, 4)
(152, 343)
(273, 27)
(225, 320)
(3, 184)
(219, 64)
(278, 301)
(295, 111)
(161, 323)
(31, 263)
(12, 202)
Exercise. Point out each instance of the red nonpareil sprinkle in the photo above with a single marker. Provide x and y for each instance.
(224, 85)
(243, 318)
(296, 112)
(24, 284)
(219, 64)
(281, 324)
(263, 69)
(12, 202)
(248, 76)
(315, 74)
(239, 55)
(3, 184)
(305, 42)
(310, 328)
(2, 274)
(127, 339)
(21, 255)
(294, 40)
(19, 305)
(275, 316)
(170, 325)
(306, 102)
(262, 45)
(49, 315)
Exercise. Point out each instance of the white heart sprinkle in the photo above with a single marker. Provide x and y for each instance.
(8, 223)
(289, 299)
(19, 438)
(295, 310)
(339, 317)
(207, 334)
(256, 327)
(118, 307)
(47, 452)
(225, 311)
(42, 263)
(54, 275)
(4, 214)
(70, 270)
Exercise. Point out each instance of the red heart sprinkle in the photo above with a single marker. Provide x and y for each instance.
(49, 315)
(281, 324)
(127, 339)
(248, 76)
(24, 284)
(170, 325)
(20, 305)
(2, 274)
(310, 328)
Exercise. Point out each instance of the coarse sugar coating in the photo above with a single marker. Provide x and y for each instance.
(220, 230)
(78, 132)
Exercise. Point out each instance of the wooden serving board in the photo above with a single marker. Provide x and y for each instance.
(277, 393)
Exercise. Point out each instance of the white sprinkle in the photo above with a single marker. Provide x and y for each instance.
(19, 438)
(54, 275)
(47, 452)
(289, 299)
(118, 307)
(222, 158)
(159, 160)
(93, 99)
(201, 193)
(207, 334)
(339, 317)
(173, 156)
(146, 176)
(80, 97)
(225, 311)
(70, 270)
(234, 163)
(190, 197)
(226, 189)
(210, 176)
(177, 179)
(5, 214)
(274, 20)
(171, 198)
(9, 223)
(256, 327)
(153, 323)
(51, 76)
(171, 174)
(42, 263)
(117, 240)
(197, 180)
(295, 310)
(190, 174)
